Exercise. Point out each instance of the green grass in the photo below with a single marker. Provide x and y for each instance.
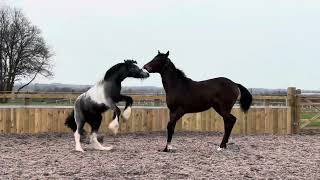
(309, 115)
(315, 123)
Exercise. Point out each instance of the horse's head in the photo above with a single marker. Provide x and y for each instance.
(134, 71)
(157, 63)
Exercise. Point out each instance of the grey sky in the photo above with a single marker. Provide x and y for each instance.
(269, 44)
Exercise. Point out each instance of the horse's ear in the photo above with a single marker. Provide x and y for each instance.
(159, 52)
(167, 54)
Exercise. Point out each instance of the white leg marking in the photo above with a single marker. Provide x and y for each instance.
(114, 125)
(219, 149)
(77, 139)
(95, 143)
(127, 113)
(169, 147)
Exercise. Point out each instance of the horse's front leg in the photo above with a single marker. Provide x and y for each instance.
(127, 110)
(114, 125)
(174, 117)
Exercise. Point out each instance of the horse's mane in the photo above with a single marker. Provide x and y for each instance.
(116, 67)
(179, 72)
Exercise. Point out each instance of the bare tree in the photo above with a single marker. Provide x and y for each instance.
(24, 53)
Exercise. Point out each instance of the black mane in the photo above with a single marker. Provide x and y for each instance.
(130, 61)
(116, 67)
(179, 72)
(113, 70)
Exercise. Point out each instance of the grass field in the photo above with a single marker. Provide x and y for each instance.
(309, 115)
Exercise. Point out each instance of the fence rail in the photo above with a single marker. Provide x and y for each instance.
(259, 120)
(157, 99)
(266, 117)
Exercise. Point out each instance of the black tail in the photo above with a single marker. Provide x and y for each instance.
(71, 123)
(245, 99)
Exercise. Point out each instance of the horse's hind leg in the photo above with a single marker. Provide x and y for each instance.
(80, 120)
(114, 125)
(229, 121)
(95, 122)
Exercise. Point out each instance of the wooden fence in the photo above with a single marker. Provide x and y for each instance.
(259, 120)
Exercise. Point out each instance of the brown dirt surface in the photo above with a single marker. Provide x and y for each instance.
(136, 156)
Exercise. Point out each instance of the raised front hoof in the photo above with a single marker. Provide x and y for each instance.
(127, 113)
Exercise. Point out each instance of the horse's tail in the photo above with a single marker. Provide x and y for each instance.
(245, 99)
(71, 123)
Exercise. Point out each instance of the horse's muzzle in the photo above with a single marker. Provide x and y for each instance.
(145, 74)
(146, 67)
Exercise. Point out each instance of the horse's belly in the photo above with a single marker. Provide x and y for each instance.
(93, 107)
(195, 109)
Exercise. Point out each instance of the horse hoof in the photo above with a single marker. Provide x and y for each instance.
(220, 149)
(126, 114)
(108, 148)
(79, 150)
(165, 150)
(168, 150)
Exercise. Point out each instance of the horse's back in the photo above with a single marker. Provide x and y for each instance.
(218, 85)
(219, 90)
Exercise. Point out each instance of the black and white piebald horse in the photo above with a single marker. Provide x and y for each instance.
(183, 95)
(103, 96)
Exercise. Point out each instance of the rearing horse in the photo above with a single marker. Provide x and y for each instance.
(183, 95)
(103, 96)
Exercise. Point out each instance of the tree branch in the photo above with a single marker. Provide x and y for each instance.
(34, 77)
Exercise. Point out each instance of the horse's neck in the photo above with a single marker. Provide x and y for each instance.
(171, 81)
(117, 78)
(111, 89)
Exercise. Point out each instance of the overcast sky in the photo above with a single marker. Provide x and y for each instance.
(267, 44)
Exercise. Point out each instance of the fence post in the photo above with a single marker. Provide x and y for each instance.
(292, 103)
(298, 110)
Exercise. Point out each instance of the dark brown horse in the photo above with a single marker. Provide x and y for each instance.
(184, 95)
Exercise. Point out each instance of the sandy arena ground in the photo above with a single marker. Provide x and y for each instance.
(51, 156)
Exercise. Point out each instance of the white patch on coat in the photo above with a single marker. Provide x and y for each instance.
(96, 145)
(96, 94)
(114, 125)
(77, 139)
(127, 112)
